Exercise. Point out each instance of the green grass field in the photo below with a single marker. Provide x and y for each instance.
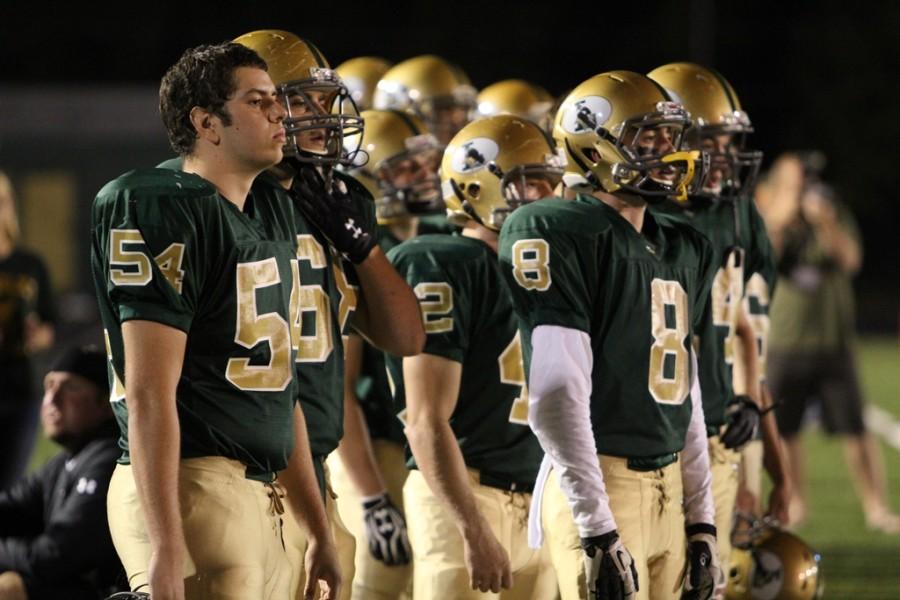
(858, 564)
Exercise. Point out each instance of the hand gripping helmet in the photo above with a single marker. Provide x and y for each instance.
(515, 97)
(431, 88)
(715, 110)
(772, 564)
(599, 125)
(487, 164)
(403, 160)
(360, 75)
(297, 69)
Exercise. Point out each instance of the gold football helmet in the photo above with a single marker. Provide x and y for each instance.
(515, 97)
(320, 109)
(360, 75)
(611, 127)
(719, 125)
(434, 90)
(770, 563)
(494, 165)
(403, 160)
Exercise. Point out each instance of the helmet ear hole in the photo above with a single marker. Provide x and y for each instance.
(473, 189)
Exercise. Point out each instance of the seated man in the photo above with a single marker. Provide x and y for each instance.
(54, 538)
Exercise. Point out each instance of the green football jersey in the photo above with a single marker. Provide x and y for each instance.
(639, 296)
(437, 223)
(166, 247)
(740, 248)
(468, 317)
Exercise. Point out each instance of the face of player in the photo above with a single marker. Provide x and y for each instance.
(532, 187)
(256, 135)
(657, 141)
(718, 146)
(72, 407)
(415, 169)
(448, 120)
(315, 102)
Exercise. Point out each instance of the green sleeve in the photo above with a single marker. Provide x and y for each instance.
(549, 275)
(150, 254)
(444, 300)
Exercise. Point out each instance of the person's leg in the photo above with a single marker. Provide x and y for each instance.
(437, 545)
(724, 464)
(20, 412)
(797, 457)
(666, 541)
(373, 579)
(866, 466)
(562, 541)
(842, 406)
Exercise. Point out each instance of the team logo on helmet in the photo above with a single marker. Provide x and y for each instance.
(474, 155)
(391, 94)
(768, 577)
(586, 114)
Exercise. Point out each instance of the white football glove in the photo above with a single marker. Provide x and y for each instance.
(704, 575)
(610, 569)
(386, 530)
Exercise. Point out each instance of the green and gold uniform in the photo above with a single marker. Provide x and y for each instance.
(639, 296)
(168, 248)
(741, 247)
(468, 318)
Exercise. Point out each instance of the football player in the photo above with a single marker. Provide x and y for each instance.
(369, 469)
(361, 75)
(193, 277)
(608, 296)
(336, 249)
(516, 97)
(440, 94)
(474, 459)
(723, 211)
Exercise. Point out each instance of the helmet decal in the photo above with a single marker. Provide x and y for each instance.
(586, 114)
(474, 155)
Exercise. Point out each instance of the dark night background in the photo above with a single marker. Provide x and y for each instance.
(811, 74)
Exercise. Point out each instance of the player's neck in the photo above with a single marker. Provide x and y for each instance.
(232, 180)
(480, 232)
(631, 208)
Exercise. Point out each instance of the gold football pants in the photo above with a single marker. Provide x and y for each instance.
(374, 580)
(724, 464)
(647, 506)
(440, 568)
(296, 540)
(231, 527)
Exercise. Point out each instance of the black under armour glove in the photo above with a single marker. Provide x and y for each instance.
(610, 569)
(704, 575)
(333, 211)
(386, 530)
(744, 423)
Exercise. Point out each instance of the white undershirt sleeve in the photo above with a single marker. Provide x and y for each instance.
(559, 412)
(695, 470)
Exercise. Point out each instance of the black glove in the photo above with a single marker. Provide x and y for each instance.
(744, 423)
(333, 211)
(130, 596)
(704, 575)
(610, 569)
(386, 530)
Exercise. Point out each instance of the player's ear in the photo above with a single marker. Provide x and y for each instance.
(205, 125)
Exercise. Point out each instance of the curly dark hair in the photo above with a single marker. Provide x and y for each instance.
(203, 76)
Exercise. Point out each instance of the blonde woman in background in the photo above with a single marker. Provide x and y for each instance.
(26, 326)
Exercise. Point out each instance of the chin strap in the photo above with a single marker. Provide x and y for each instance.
(688, 157)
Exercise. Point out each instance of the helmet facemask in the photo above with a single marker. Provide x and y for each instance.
(726, 144)
(320, 113)
(634, 164)
(409, 181)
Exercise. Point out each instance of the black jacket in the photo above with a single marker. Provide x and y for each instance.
(53, 526)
